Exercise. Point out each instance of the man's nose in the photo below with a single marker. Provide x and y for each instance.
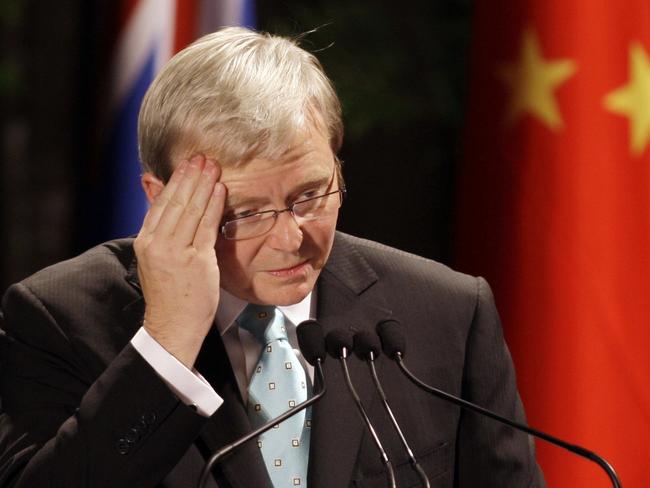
(286, 234)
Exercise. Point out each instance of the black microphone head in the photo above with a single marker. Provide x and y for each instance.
(365, 342)
(392, 338)
(311, 341)
(336, 341)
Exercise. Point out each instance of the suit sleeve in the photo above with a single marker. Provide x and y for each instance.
(60, 426)
(487, 450)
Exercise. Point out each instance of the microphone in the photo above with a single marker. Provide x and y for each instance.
(367, 347)
(393, 344)
(339, 343)
(311, 342)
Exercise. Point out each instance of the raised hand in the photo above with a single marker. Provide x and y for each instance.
(177, 264)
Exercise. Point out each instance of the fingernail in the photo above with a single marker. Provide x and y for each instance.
(182, 167)
(195, 162)
(218, 189)
(209, 168)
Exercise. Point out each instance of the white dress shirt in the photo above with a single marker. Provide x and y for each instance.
(242, 348)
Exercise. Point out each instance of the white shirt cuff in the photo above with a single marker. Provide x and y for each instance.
(188, 385)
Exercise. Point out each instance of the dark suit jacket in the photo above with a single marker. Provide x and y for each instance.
(81, 408)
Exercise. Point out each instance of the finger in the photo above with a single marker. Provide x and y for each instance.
(188, 223)
(178, 201)
(206, 233)
(154, 213)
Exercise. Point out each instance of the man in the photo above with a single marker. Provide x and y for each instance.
(128, 365)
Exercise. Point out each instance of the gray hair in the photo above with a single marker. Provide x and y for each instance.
(236, 95)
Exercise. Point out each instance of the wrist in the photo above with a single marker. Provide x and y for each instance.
(182, 342)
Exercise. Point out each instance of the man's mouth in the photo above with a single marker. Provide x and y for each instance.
(290, 271)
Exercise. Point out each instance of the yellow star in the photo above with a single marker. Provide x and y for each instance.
(633, 99)
(532, 82)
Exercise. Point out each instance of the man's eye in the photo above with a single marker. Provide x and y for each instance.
(309, 194)
(244, 213)
(238, 214)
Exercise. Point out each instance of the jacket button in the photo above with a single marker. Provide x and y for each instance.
(132, 436)
(123, 446)
(148, 418)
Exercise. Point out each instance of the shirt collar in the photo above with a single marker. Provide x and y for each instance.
(231, 306)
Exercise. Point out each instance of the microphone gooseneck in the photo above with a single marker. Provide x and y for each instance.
(339, 344)
(367, 347)
(393, 341)
(310, 338)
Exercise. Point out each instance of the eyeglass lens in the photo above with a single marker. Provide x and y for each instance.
(262, 222)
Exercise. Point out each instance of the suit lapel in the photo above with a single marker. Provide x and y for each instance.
(134, 310)
(337, 428)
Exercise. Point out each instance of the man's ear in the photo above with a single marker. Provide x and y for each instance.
(151, 185)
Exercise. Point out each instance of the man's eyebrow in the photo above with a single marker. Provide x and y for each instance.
(313, 182)
(246, 200)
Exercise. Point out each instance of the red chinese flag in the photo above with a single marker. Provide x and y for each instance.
(554, 209)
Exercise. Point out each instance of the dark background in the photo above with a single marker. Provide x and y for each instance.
(400, 71)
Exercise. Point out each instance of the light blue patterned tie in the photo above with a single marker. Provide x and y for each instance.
(278, 384)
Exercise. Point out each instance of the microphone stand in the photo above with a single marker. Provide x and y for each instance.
(414, 463)
(267, 426)
(390, 473)
(580, 451)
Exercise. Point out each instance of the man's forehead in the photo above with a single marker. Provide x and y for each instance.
(294, 172)
(308, 150)
(249, 187)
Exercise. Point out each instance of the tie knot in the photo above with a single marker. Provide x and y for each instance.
(265, 322)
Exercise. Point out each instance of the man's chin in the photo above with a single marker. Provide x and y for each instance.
(285, 297)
